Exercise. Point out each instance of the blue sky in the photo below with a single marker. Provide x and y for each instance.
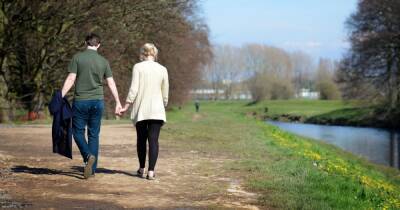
(313, 26)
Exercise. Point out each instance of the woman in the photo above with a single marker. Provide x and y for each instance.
(149, 95)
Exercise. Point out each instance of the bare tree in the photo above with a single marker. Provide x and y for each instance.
(303, 70)
(271, 72)
(268, 72)
(226, 68)
(325, 80)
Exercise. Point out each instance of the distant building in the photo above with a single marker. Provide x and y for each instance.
(307, 94)
(212, 94)
(241, 96)
(207, 94)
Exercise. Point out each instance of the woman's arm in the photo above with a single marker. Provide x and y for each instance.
(165, 88)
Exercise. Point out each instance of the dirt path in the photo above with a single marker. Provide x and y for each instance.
(32, 177)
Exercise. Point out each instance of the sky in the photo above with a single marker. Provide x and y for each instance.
(316, 27)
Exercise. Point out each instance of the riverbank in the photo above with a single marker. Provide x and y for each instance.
(288, 171)
(321, 112)
(218, 158)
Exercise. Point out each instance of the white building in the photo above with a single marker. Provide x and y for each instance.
(207, 94)
(307, 94)
(210, 94)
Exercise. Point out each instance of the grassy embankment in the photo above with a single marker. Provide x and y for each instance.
(288, 171)
(319, 112)
(309, 111)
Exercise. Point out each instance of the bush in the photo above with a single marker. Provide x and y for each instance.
(328, 91)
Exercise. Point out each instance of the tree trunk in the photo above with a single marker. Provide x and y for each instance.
(392, 86)
(39, 102)
(4, 115)
(397, 75)
(4, 105)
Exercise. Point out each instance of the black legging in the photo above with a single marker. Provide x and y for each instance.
(148, 130)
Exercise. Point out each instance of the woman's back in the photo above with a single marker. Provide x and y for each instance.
(151, 76)
(149, 91)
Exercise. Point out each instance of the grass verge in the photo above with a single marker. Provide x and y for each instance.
(288, 171)
(325, 112)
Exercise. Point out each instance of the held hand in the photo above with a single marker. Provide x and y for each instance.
(118, 108)
(124, 109)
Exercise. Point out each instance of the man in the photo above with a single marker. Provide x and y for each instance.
(197, 105)
(87, 70)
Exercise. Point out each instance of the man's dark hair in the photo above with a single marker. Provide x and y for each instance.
(92, 39)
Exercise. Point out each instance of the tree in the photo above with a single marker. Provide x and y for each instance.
(226, 69)
(174, 27)
(266, 72)
(38, 40)
(271, 72)
(374, 57)
(35, 40)
(325, 84)
(303, 70)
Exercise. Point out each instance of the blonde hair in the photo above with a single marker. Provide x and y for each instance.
(147, 50)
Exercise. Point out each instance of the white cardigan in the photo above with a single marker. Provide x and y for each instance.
(148, 91)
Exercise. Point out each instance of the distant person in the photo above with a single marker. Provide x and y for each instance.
(87, 70)
(197, 105)
(149, 95)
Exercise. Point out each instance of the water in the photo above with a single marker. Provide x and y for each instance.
(380, 146)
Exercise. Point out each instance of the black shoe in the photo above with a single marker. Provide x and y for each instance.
(88, 171)
(140, 174)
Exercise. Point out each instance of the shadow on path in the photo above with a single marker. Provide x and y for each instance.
(76, 173)
(44, 171)
(104, 171)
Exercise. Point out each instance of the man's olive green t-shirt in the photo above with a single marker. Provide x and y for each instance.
(90, 69)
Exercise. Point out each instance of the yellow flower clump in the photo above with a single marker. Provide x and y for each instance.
(340, 166)
(312, 155)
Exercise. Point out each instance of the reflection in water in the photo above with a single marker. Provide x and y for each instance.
(394, 150)
(380, 146)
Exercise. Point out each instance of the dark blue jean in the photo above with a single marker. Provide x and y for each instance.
(87, 113)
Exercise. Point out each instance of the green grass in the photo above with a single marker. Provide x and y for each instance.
(333, 112)
(288, 171)
(305, 108)
(363, 116)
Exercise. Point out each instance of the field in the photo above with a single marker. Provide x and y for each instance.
(220, 158)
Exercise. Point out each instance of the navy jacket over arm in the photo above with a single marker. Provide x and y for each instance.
(62, 125)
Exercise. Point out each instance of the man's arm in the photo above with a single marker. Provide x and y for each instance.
(114, 91)
(69, 82)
